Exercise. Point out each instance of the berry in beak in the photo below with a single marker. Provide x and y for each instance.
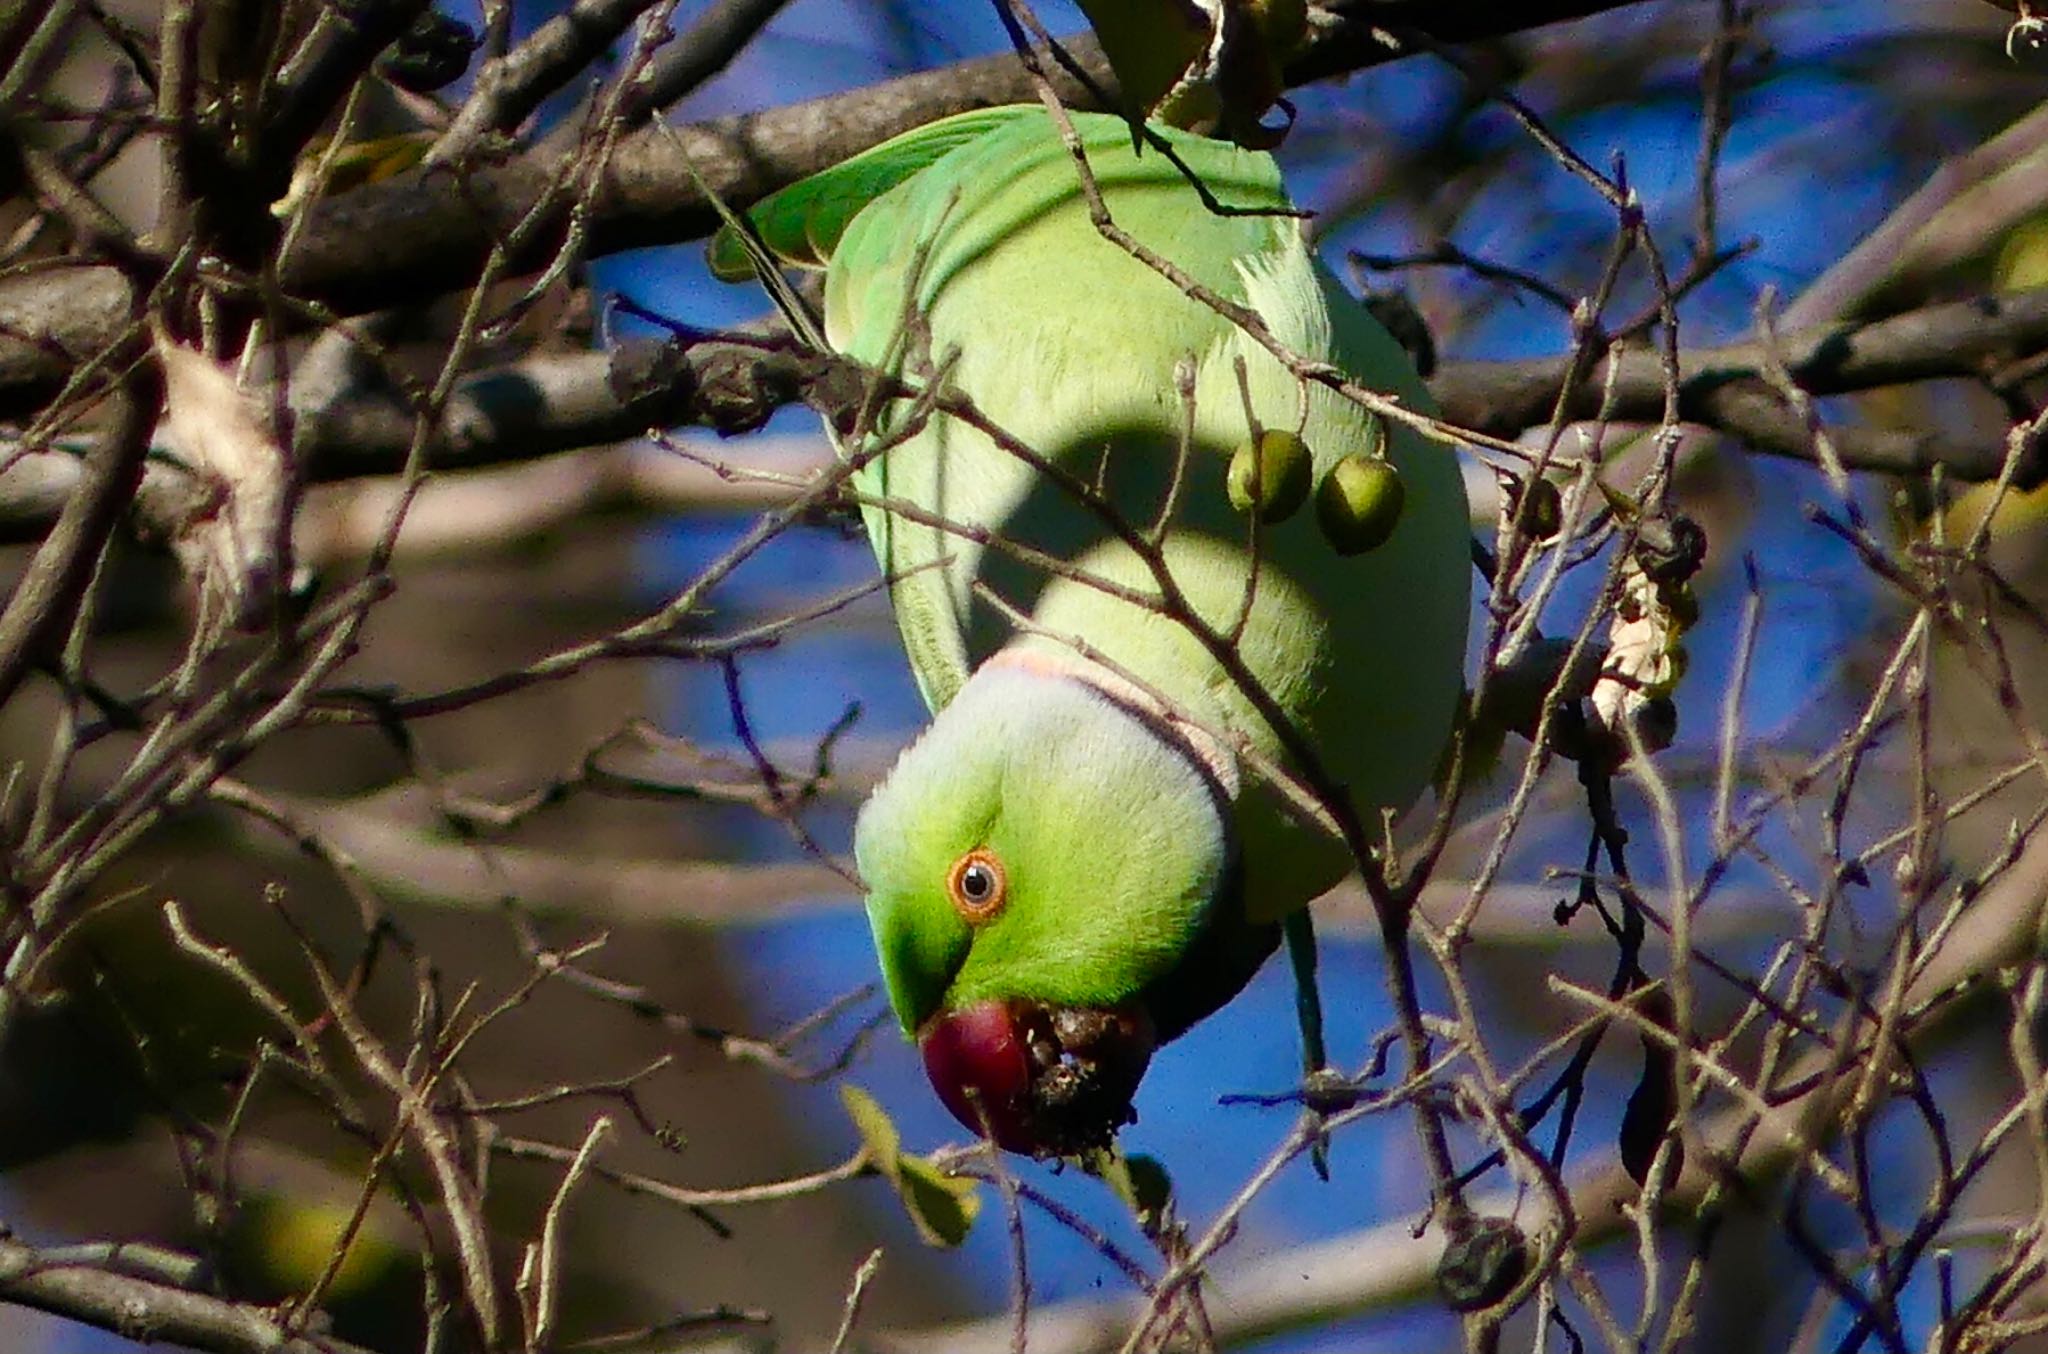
(1041, 1080)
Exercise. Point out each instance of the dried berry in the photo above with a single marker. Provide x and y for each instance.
(430, 55)
(1536, 506)
(1482, 1264)
(1670, 549)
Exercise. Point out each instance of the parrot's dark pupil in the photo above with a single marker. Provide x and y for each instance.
(976, 883)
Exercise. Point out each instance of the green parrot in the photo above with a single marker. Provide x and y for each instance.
(1077, 861)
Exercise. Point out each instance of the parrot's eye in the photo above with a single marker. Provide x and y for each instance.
(976, 885)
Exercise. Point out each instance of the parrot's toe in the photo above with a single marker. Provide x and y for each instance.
(1041, 1080)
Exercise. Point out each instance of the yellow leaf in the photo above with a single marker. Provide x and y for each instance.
(877, 1133)
(941, 1207)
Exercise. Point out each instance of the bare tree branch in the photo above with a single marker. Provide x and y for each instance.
(529, 409)
(1351, 44)
(705, 48)
(146, 1310)
(1389, 1265)
(509, 88)
(405, 858)
(427, 232)
(43, 601)
(1963, 207)
(562, 401)
(1726, 389)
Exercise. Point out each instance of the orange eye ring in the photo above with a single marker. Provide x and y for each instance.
(977, 885)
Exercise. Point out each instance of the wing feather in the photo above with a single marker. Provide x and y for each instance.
(802, 224)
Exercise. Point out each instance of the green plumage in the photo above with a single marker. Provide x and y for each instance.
(1148, 836)
(802, 224)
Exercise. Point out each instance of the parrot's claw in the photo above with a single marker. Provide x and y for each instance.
(1319, 1148)
(1317, 1074)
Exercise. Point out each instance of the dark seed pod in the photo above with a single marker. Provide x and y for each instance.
(1482, 1265)
(1535, 503)
(1274, 473)
(1657, 722)
(1671, 549)
(1654, 1103)
(1684, 605)
(430, 55)
(1359, 504)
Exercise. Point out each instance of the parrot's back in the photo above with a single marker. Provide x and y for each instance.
(1127, 385)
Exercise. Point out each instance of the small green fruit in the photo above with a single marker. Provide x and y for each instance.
(1274, 472)
(1359, 504)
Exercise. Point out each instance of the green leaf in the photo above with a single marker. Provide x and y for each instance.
(942, 1207)
(1151, 1188)
(1140, 1181)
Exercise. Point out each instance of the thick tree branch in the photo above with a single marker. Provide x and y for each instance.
(41, 607)
(559, 402)
(521, 412)
(1967, 204)
(510, 88)
(554, 403)
(1351, 44)
(319, 74)
(427, 232)
(717, 35)
(1724, 388)
(146, 1310)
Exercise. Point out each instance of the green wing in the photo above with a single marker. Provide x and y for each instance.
(801, 224)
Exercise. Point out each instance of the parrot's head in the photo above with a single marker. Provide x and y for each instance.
(1045, 868)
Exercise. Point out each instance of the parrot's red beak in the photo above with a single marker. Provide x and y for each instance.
(1041, 1080)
